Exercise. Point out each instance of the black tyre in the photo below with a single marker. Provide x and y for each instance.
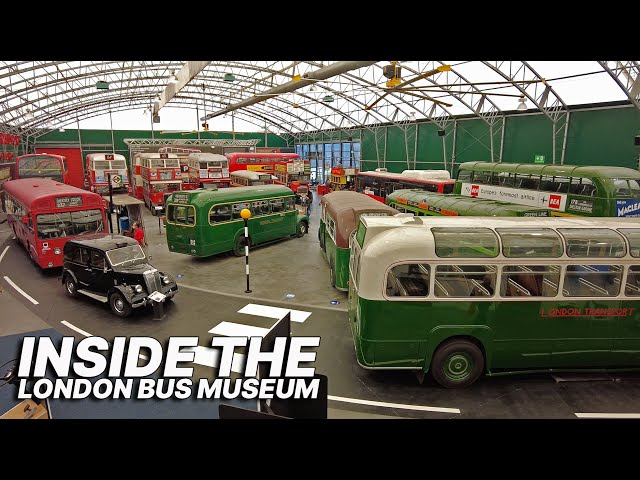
(119, 305)
(70, 286)
(302, 229)
(238, 251)
(332, 274)
(457, 363)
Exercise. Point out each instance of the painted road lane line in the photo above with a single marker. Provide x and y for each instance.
(421, 408)
(79, 330)
(274, 312)
(607, 415)
(210, 357)
(24, 294)
(4, 251)
(230, 329)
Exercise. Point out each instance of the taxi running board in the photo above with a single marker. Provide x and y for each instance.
(101, 298)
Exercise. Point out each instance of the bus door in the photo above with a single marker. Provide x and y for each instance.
(583, 328)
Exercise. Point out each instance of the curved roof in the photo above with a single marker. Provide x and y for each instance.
(205, 197)
(290, 97)
(549, 169)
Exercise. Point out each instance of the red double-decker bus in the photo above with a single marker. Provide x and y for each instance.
(208, 168)
(44, 214)
(380, 184)
(42, 165)
(183, 154)
(160, 174)
(99, 166)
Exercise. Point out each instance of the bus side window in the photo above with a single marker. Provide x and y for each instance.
(464, 281)
(408, 280)
(220, 213)
(236, 208)
(530, 280)
(632, 289)
(277, 205)
(290, 203)
(464, 176)
(592, 280)
(261, 207)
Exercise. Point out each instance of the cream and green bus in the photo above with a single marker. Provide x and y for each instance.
(340, 213)
(205, 222)
(461, 297)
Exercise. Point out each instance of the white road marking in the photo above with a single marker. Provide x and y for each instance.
(4, 251)
(274, 312)
(79, 330)
(421, 408)
(268, 300)
(607, 415)
(230, 329)
(210, 357)
(24, 294)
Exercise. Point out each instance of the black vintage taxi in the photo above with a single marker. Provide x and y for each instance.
(114, 269)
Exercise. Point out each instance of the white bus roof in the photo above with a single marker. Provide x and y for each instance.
(251, 175)
(391, 240)
(427, 174)
(101, 156)
(156, 155)
(207, 157)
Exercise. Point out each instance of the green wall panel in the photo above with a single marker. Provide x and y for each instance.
(526, 136)
(604, 137)
(473, 142)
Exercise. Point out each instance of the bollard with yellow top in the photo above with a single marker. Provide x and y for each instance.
(246, 214)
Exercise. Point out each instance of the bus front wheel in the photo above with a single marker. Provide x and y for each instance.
(457, 363)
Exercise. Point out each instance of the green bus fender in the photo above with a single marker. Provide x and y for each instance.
(481, 334)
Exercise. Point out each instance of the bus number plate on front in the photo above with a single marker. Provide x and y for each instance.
(63, 202)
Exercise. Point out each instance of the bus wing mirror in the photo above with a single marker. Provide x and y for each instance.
(25, 219)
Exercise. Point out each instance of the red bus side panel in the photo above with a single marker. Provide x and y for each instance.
(74, 163)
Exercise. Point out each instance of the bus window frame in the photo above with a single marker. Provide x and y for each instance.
(178, 224)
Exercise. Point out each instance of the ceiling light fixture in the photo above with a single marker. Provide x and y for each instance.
(522, 105)
(61, 129)
(172, 78)
(412, 116)
(28, 114)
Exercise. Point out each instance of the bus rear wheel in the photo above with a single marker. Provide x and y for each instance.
(457, 363)
(238, 251)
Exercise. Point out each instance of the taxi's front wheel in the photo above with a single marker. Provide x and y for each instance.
(119, 305)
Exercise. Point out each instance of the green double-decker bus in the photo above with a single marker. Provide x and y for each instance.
(423, 203)
(205, 222)
(593, 191)
(462, 297)
(340, 213)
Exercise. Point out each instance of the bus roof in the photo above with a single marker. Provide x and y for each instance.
(156, 155)
(203, 196)
(283, 156)
(252, 175)
(101, 156)
(406, 177)
(207, 157)
(462, 205)
(347, 207)
(553, 170)
(29, 190)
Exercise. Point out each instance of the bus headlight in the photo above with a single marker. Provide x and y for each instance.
(57, 251)
(166, 279)
(137, 288)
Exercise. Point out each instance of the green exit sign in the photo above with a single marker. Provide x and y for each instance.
(538, 159)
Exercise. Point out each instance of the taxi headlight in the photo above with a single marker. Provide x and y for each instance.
(166, 279)
(137, 288)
